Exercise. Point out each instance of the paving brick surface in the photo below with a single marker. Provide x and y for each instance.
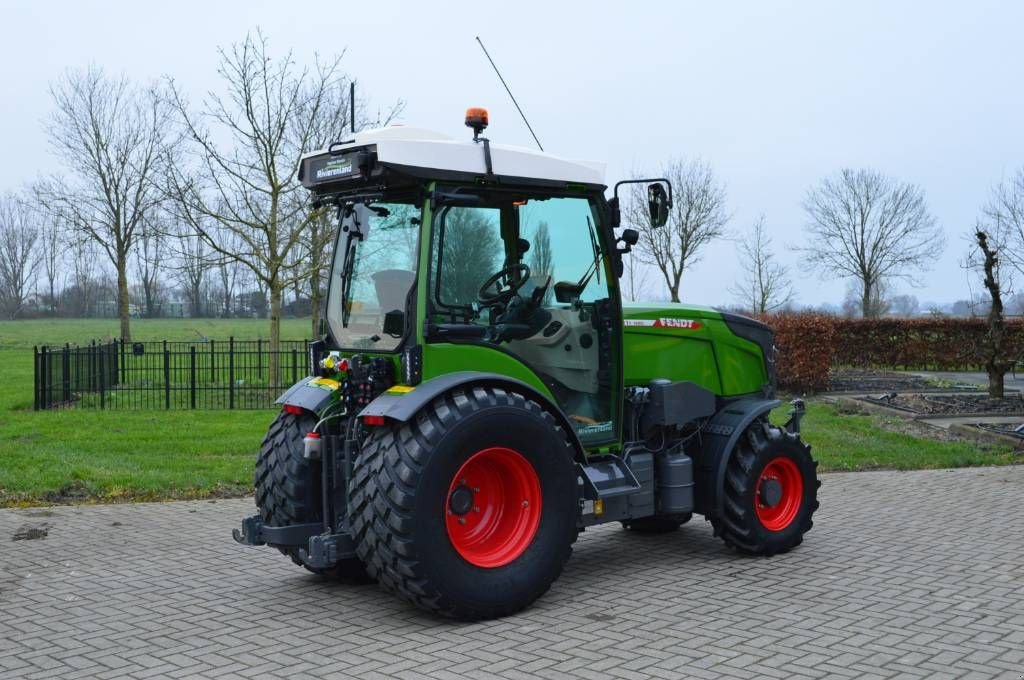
(910, 575)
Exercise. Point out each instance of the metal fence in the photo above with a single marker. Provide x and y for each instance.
(215, 374)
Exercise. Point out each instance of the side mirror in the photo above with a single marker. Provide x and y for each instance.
(658, 204)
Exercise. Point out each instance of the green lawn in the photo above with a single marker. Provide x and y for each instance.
(115, 455)
(846, 443)
(56, 456)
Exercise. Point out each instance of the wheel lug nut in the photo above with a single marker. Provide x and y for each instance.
(526, 504)
(462, 520)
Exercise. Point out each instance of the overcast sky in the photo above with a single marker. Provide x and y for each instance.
(775, 95)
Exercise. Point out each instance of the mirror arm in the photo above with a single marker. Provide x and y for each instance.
(648, 180)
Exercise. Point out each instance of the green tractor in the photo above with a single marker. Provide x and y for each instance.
(481, 394)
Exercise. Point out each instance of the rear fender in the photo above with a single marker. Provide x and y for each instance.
(720, 436)
(401, 403)
(312, 394)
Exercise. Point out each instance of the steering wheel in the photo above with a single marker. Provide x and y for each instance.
(505, 283)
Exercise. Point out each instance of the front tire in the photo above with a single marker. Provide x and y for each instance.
(771, 492)
(288, 489)
(470, 510)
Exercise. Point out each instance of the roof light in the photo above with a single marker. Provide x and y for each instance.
(477, 118)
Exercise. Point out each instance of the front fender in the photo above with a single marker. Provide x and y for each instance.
(312, 393)
(720, 436)
(401, 403)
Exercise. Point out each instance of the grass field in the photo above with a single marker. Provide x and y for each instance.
(68, 455)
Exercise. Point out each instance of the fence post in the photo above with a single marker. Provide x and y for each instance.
(192, 375)
(119, 344)
(167, 377)
(65, 373)
(102, 378)
(35, 381)
(44, 374)
(231, 372)
(295, 366)
(259, 357)
(213, 371)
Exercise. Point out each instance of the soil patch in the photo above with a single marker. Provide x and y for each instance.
(877, 380)
(951, 405)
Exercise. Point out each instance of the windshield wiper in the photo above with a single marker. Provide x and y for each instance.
(354, 233)
(346, 281)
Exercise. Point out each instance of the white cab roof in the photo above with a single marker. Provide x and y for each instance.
(418, 147)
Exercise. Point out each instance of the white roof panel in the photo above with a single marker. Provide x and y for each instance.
(418, 147)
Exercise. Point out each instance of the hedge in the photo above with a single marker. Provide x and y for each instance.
(810, 345)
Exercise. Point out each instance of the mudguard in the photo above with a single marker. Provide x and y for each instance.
(310, 393)
(720, 436)
(401, 403)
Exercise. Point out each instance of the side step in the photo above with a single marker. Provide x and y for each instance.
(607, 477)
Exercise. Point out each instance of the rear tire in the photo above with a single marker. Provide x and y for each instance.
(656, 524)
(288, 489)
(470, 510)
(770, 494)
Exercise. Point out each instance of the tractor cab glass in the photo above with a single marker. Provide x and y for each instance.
(373, 271)
(525, 274)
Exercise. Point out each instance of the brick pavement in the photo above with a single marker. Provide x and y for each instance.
(905, 575)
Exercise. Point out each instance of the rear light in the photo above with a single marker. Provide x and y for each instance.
(292, 409)
(373, 420)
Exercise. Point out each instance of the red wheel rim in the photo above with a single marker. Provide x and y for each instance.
(779, 493)
(493, 507)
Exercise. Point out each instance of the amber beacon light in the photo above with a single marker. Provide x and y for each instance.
(476, 118)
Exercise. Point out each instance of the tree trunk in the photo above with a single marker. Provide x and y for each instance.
(123, 308)
(995, 364)
(865, 301)
(275, 331)
(995, 381)
(314, 302)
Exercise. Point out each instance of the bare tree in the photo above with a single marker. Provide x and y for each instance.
(109, 134)
(245, 162)
(231, 274)
(871, 228)
(19, 232)
(1005, 214)
(765, 285)
(193, 266)
(698, 216)
(994, 349)
(149, 262)
(904, 305)
(331, 124)
(52, 247)
(853, 302)
(85, 278)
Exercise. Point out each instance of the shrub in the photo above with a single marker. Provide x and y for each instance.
(810, 344)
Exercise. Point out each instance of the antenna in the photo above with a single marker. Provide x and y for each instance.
(511, 96)
(352, 103)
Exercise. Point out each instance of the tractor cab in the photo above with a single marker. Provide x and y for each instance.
(463, 255)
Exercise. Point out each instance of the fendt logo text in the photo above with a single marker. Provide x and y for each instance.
(688, 324)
